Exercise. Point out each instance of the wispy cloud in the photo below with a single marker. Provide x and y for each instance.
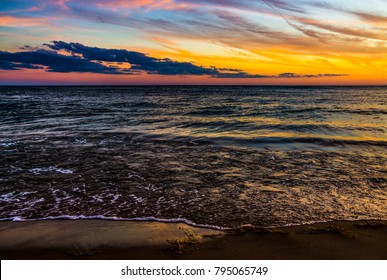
(12, 21)
(344, 30)
(286, 5)
(372, 18)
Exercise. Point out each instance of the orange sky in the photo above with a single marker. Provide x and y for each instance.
(194, 42)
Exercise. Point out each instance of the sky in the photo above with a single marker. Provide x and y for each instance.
(219, 42)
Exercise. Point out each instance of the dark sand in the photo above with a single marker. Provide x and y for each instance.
(100, 239)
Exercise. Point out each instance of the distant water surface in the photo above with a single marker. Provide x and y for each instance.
(219, 156)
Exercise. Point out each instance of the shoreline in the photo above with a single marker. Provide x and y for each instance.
(107, 239)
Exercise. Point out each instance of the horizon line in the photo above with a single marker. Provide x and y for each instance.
(189, 85)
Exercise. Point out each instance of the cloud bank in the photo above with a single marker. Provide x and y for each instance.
(63, 57)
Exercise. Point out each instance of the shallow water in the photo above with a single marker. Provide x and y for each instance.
(221, 156)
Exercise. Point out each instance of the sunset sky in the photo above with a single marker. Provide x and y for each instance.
(254, 42)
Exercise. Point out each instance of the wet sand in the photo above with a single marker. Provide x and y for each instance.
(101, 239)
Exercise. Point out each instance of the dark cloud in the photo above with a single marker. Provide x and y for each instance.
(294, 75)
(85, 59)
(53, 62)
(7, 65)
(138, 61)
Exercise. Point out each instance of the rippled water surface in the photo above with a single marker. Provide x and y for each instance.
(221, 156)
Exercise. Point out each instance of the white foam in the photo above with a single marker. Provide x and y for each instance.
(39, 139)
(26, 193)
(39, 170)
(14, 196)
(7, 196)
(137, 199)
(64, 171)
(7, 143)
(115, 197)
(32, 203)
(179, 220)
(98, 198)
(58, 200)
(150, 187)
(14, 219)
(132, 175)
(80, 141)
(151, 219)
(101, 217)
(14, 169)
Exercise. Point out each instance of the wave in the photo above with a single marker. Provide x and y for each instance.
(294, 140)
(101, 217)
(251, 127)
(175, 220)
(367, 112)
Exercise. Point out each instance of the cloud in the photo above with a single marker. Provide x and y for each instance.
(7, 65)
(66, 57)
(285, 6)
(364, 23)
(242, 27)
(52, 62)
(85, 59)
(372, 18)
(251, 5)
(344, 30)
(138, 61)
(294, 75)
(13, 21)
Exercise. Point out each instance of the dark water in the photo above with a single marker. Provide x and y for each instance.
(221, 156)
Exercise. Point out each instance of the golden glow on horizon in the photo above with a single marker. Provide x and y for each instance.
(40, 76)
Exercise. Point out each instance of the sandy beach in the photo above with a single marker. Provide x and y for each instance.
(101, 239)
